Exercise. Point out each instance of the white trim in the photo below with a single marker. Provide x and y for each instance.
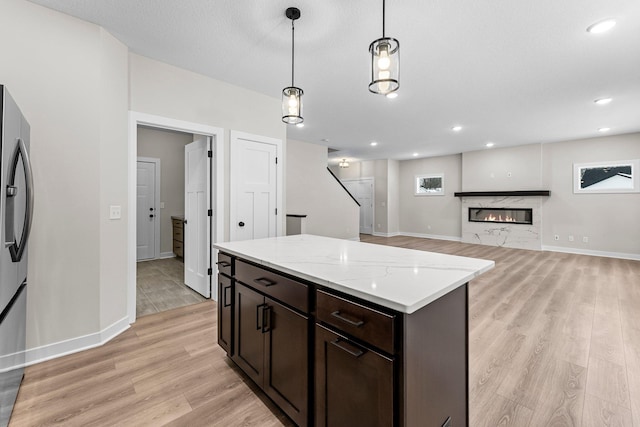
(233, 178)
(217, 134)
(165, 255)
(74, 345)
(156, 185)
(606, 254)
(380, 234)
(431, 236)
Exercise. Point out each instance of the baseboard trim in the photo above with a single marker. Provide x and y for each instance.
(379, 234)
(431, 236)
(75, 345)
(164, 255)
(606, 254)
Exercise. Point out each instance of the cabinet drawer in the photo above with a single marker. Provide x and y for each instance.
(177, 248)
(225, 264)
(356, 320)
(282, 288)
(176, 222)
(178, 233)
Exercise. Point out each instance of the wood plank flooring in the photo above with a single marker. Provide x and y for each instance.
(554, 341)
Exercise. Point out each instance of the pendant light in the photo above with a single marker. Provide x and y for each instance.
(292, 96)
(385, 62)
(344, 163)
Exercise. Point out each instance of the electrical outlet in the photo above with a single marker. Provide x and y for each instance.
(508, 174)
(428, 227)
(571, 238)
(585, 239)
(556, 237)
(115, 212)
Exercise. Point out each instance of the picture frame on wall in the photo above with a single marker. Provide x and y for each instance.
(620, 176)
(429, 185)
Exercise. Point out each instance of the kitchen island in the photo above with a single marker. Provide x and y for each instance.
(339, 332)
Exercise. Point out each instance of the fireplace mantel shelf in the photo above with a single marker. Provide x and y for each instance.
(544, 193)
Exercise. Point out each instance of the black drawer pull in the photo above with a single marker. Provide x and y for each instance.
(260, 316)
(264, 281)
(356, 323)
(344, 346)
(223, 264)
(266, 319)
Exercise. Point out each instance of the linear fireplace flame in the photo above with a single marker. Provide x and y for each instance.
(504, 215)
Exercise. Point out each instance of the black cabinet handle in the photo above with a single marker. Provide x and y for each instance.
(260, 316)
(356, 323)
(264, 281)
(266, 319)
(224, 264)
(226, 301)
(345, 346)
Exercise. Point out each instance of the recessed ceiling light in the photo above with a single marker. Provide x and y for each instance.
(489, 144)
(415, 154)
(456, 128)
(325, 140)
(373, 143)
(602, 26)
(392, 95)
(300, 125)
(603, 101)
(604, 129)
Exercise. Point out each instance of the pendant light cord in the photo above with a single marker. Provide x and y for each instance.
(383, 19)
(292, 51)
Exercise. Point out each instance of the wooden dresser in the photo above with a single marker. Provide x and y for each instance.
(178, 236)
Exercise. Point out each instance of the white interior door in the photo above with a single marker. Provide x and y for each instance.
(146, 211)
(197, 227)
(254, 189)
(362, 191)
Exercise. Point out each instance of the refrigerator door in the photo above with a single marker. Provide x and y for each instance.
(12, 346)
(11, 121)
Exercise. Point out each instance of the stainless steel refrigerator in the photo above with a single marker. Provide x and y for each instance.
(16, 210)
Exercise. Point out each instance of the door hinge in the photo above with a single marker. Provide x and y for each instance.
(276, 211)
(210, 212)
(276, 160)
(210, 271)
(209, 153)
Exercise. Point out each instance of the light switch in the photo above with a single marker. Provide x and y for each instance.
(115, 212)
(161, 205)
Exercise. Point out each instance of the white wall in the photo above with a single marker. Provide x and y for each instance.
(164, 90)
(503, 169)
(378, 170)
(70, 79)
(610, 221)
(168, 146)
(431, 215)
(312, 191)
(393, 197)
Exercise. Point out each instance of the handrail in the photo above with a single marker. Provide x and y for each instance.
(342, 185)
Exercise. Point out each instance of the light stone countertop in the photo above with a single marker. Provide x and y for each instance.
(404, 280)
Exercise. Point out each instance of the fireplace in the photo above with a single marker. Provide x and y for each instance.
(501, 215)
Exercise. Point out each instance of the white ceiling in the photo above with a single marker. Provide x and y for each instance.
(509, 71)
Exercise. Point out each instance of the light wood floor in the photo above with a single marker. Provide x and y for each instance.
(554, 341)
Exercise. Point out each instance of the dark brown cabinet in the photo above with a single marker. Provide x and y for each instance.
(271, 346)
(330, 359)
(225, 302)
(354, 384)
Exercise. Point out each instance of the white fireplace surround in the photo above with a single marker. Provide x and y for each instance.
(520, 236)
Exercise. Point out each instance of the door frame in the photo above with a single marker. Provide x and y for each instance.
(217, 146)
(373, 199)
(233, 176)
(156, 247)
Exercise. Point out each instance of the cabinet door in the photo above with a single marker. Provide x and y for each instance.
(354, 385)
(225, 301)
(250, 313)
(287, 361)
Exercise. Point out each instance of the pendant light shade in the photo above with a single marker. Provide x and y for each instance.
(385, 62)
(292, 95)
(344, 163)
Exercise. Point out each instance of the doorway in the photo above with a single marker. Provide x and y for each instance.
(214, 189)
(363, 191)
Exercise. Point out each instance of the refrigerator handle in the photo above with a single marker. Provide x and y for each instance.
(17, 250)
